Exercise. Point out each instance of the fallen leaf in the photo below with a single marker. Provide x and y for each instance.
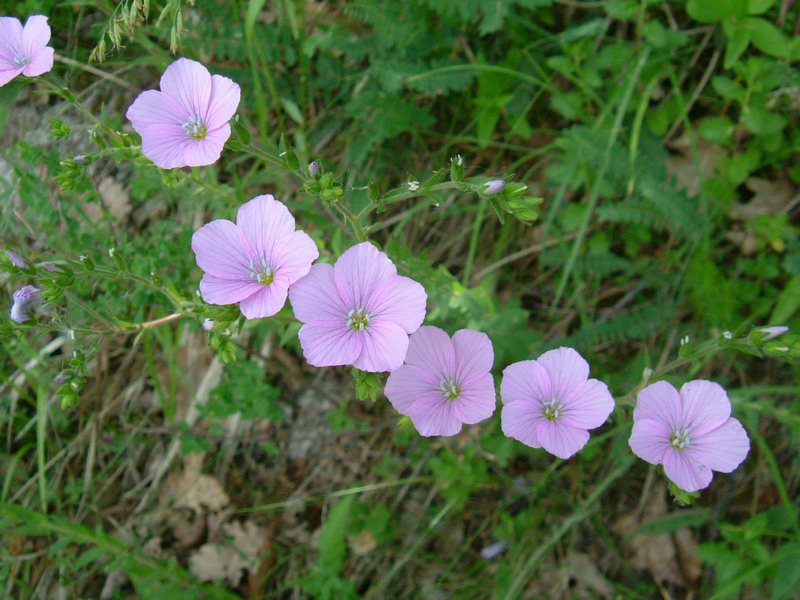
(196, 490)
(769, 198)
(230, 559)
(115, 197)
(582, 569)
(683, 168)
(362, 543)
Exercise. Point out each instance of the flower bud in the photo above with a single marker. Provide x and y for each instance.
(24, 299)
(457, 168)
(60, 378)
(771, 332)
(208, 324)
(16, 259)
(494, 186)
(79, 159)
(313, 169)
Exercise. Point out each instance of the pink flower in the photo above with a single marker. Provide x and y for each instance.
(186, 123)
(253, 262)
(691, 433)
(444, 382)
(550, 403)
(358, 312)
(25, 298)
(24, 49)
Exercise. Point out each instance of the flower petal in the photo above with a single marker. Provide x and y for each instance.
(41, 62)
(685, 472)
(263, 222)
(188, 82)
(292, 258)
(705, 406)
(408, 384)
(35, 34)
(722, 449)
(329, 346)
(431, 349)
(219, 252)
(315, 300)
(385, 346)
(526, 381)
(650, 440)
(434, 415)
(519, 419)
(11, 35)
(7, 75)
(267, 301)
(215, 290)
(474, 353)
(477, 400)
(399, 300)
(158, 118)
(660, 401)
(567, 370)
(560, 439)
(223, 101)
(360, 271)
(199, 153)
(588, 406)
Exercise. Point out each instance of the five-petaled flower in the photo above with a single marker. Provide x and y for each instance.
(25, 298)
(444, 383)
(358, 312)
(24, 49)
(550, 403)
(254, 261)
(186, 123)
(691, 433)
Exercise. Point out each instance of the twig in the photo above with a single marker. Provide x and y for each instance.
(94, 71)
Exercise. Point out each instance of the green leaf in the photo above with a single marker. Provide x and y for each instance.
(788, 302)
(737, 44)
(757, 7)
(676, 520)
(717, 130)
(332, 542)
(761, 121)
(713, 11)
(728, 88)
(766, 37)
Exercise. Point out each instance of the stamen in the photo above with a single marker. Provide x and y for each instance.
(680, 439)
(552, 409)
(21, 60)
(358, 319)
(450, 389)
(195, 128)
(264, 275)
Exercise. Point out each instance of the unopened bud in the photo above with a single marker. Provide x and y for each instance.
(771, 332)
(208, 324)
(24, 299)
(313, 169)
(79, 159)
(16, 259)
(494, 186)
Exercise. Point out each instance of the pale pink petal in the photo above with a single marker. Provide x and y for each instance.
(474, 353)
(360, 271)
(7, 75)
(434, 416)
(166, 152)
(705, 406)
(329, 346)
(189, 83)
(431, 349)
(41, 62)
(267, 301)
(315, 300)
(400, 300)
(477, 400)
(223, 102)
(199, 153)
(35, 34)
(155, 113)
(218, 251)
(588, 405)
(560, 439)
(526, 381)
(567, 369)
(215, 290)
(385, 346)
(518, 420)
(722, 449)
(11, 34)
(408, 384)
(263, 222)
(292, 258)
(660, 401)
(685, 472)
(650, 440)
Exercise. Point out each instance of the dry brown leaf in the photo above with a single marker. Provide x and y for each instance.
(362, 543)
(115, 197)
(229, 560)
(683, 168)
(769, 198)
(589, 581)
(196, 490)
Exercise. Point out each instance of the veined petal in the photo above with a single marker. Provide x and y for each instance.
(660, 401)
(433, 415)
(188, 82)
(400, 300)
(263, 222)
(567, 370)
(519, 420)
(560, 439)
(588, 405)
(315, 300)
(167, 152)
(526, 381)
(293, 256)
(223, 101)
(218, 251)
(722, 449)
(199, 153)
(650, 440)
(267, 301)
(215, 290)
(477, 400)
(42, 62)
(474, 353)
(35, 34)
(430, 348)
(7, 75)
(705, 406)
(10, 34)
(408, 384)
(329, 346)
(385, 346)
(360, 271)
(155, 113)
(685, 472)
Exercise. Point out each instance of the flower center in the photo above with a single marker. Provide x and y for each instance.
(358, 319)
(21, 60)
(195, 128)
(262, 273)
(450, 389)
(680, 439)
(552, 409)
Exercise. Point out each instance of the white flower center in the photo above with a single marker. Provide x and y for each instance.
(21, 60)
(552, 409)
(195, 128)
(680, 439)
(262, 273)
(450, 389)
(358, 319)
